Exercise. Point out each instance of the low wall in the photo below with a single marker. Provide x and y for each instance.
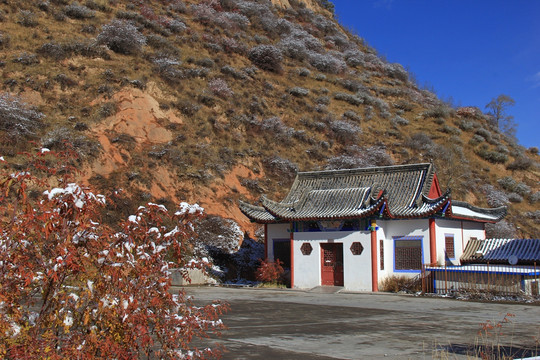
(197, 277)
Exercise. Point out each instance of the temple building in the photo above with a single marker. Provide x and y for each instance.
(353, 228)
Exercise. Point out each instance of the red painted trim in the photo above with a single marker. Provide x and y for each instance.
(292, 259)
(473, 220)
(462, 238)
(435, 189)
(266, 241)
(374, 269)
(432, 242)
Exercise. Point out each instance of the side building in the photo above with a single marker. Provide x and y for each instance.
(354, 227)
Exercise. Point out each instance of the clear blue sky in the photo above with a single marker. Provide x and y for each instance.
(469, 50)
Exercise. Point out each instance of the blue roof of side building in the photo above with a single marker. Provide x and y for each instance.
(500, 251)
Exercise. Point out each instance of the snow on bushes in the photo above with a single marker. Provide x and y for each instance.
(122, 37)
(17, 119)
(359, 157)
(219, 87)
(74, 287)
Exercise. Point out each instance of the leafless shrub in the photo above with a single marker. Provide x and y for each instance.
(4, 40)
(293, 48)
(232, 20)
(439, 111)
(254, 10)
(298, 91)
(345, 131)
(507, 183)
(280, 168)
(399, 121)
(65, 81)
(338, 40)
(326, 63)
(476, 139)
(515, 198)
(493, 196)
(324, 24)
(17, 119)
(178, 6)
(206, 62)
(107, 109)
(91, 4)
(187, 107)
(61, 51)
(465, 125)
(219, 87)
(501, 230)
(161, 43)
(44, 6)
(266, 57)
(401, 283)
(349, 98)
(175, 25)
(450, 130)
(27, 18)
(360, 157)
(534, 197)
(486, 134)
(353, 86)
(167, 69)
(534, 215)
(88, 29)
(26, 59)
(419, 141)
(351, 115)
(277, 128)
(494, 157)
(303, 72)
(354, 58)
(77, 11)
(62, 138)
(520, 163)
(121, 37)
(396, 71)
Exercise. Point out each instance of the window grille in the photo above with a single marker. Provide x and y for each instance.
(449, 246)
(408, 253)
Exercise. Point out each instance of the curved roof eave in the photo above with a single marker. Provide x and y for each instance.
(465, 211)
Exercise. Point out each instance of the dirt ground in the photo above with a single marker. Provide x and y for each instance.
(325, 323)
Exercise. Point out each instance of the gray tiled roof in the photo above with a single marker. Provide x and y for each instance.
(399, 191)
(327, 204)
(499, 251)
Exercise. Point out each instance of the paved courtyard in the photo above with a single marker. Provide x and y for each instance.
(322, 324)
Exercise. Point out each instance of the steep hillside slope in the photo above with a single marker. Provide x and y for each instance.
(219, 100)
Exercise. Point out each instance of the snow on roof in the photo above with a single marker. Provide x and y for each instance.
(463, 211)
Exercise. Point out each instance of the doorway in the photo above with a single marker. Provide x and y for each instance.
(331, 264)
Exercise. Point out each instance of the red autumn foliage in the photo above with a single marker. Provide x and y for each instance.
(270, 272)
(72, 287)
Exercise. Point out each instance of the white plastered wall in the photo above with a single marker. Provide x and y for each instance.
(390, 228)
(356, 268)
(445, 227)
(473, 229)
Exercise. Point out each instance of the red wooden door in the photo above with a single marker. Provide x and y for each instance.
(332, 264)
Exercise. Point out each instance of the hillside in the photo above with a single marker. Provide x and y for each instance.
(219, 100)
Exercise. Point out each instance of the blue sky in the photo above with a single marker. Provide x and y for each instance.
(469, 50)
